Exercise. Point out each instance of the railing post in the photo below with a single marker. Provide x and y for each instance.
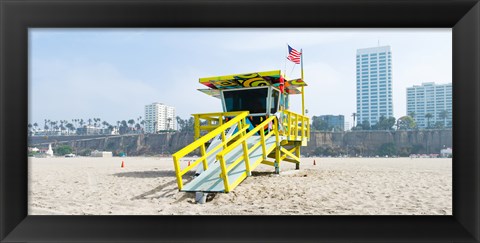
(303, 128)
(297, 153)
(296, 127)
(244, 121)
(224, 174)
(262, 137)
(177, 173)
(246, 158)
(308, 129)
(277, 137)
(245, 147)
(196, 126)
(205, 162)
(289, 126)
(277, 148)
(223, 139)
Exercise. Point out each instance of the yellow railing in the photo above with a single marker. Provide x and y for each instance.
(200, 142)
(207, 122)
(295, 126)
(246, 151)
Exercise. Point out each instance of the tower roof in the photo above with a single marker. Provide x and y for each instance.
(247, 80)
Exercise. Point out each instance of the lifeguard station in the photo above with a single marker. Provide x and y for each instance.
(256, 127)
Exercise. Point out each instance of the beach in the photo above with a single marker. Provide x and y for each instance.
(333, 186)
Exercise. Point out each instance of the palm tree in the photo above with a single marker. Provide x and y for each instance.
(412, 114)
(179, 123)
(66, 122)
(35, 125)
(70, 127)
(138, 127)
(428, 116)
(169, 121)
(443, 115)
(131, 122)
(52, 123)
(62, 128)
(45, 126)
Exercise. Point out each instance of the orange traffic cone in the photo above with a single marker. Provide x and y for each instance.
(189, 163)
(123, 164)
(314, 162)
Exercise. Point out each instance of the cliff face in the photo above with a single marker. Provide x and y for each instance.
(138, 144)
(354, 142)
(369, 142)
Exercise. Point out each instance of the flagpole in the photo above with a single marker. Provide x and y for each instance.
(303, 90)
(285, 67)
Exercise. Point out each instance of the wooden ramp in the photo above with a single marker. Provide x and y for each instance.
(210, 180)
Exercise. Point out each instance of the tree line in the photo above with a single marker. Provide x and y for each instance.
(407, 122)
(70, 127)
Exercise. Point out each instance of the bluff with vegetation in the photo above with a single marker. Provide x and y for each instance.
(370, 143)
(353, 143)
(131, 145)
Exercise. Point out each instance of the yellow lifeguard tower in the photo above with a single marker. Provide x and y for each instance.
(255, 127)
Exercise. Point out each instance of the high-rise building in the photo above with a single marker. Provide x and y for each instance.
(159, 117)
(374, 84)
(433, 99)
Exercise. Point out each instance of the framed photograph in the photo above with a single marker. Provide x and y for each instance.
(38, 30)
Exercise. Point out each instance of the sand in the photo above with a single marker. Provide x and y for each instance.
(334, 186)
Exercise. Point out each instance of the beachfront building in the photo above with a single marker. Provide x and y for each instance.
(159, 117)
(374, 84)
(89, 130)
(330, 122)
(433, 99)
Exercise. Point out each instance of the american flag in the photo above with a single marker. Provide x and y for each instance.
(294, 55)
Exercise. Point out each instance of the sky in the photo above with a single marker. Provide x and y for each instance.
(113, 73)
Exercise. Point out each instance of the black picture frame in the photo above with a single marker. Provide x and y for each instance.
(17, 16)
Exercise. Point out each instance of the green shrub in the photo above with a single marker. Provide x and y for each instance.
(387, 149)
(62, 150)
(86, 152)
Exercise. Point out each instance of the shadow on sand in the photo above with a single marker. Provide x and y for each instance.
(166, 190)
(262, 173)
(159, 191)
(151, 174)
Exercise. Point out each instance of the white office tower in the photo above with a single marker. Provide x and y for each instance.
(433, 99)
(374, 84)
(159, 117)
